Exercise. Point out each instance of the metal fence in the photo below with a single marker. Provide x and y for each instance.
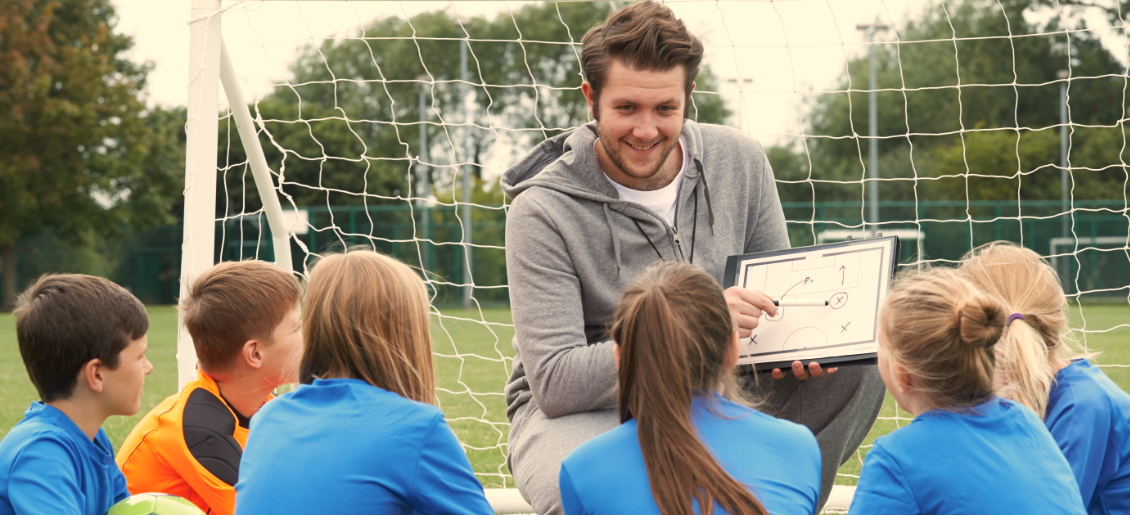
(1092, 257)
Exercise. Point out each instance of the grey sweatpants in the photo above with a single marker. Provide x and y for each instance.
(839, 409)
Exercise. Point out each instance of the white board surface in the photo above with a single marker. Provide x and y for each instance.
(853, 277)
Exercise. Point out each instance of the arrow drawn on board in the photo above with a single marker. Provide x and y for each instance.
(843, 276)
(805, 281)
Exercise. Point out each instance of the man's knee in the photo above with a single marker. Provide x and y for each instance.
(537, 451)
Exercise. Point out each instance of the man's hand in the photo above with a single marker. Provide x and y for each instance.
(747, 306)
(814, 371)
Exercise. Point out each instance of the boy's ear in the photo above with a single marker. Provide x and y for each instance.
(91, 375)
(252, 354)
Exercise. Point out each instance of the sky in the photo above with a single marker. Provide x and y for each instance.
(770, 56)
(764, 51)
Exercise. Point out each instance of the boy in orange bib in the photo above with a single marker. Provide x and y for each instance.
(244, 320)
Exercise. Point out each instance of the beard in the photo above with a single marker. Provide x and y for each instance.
(650, 176)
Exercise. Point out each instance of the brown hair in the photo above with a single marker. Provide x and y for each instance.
(64, 321)
(234, 302)
(1025, 284)
(674, 331)
(941, 329)
(366, 317)
(642, 36)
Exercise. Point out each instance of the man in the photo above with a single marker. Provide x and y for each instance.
(593, 207)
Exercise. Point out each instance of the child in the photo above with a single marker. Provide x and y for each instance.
(83, 343)
(683, 445)
(361, 434)
(244, 320)
(966, 451)
(1087, 414)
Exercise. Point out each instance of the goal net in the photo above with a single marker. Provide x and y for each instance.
(950, 123)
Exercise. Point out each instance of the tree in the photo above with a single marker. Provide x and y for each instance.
(343, 130)
(338, 133)
(984, 140)
(78, 154)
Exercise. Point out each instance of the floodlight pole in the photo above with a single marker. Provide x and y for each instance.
(873, 121)
(422, 175)
(468, 281)
(1063, 186)
(741, 83)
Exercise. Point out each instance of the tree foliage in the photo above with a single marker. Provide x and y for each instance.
(346, 121)
(970, 108)
(77, 152)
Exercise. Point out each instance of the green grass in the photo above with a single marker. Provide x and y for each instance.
(473, 361)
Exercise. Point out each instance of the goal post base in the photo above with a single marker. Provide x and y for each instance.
(510, 501)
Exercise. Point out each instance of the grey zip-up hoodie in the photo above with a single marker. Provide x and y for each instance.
(572, 246)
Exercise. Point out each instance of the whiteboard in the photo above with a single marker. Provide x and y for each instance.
(851, 277)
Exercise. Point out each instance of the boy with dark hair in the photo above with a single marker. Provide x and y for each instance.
(82, 340)
(244, 320)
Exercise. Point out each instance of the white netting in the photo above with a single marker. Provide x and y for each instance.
(967, 143)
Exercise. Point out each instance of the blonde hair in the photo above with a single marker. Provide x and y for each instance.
(941, 329)
(1024, 284)
(366, 317)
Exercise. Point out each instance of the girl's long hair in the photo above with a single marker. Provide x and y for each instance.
(366, 317)
(941, 329)
(674, 330)
(1025, 284)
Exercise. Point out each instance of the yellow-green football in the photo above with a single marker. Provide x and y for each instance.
(154, 504)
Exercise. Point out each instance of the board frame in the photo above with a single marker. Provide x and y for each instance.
(869, 358)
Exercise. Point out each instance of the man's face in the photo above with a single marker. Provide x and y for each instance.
(640, 116)
(123, 385)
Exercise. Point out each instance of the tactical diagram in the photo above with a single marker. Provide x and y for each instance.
(828, 299)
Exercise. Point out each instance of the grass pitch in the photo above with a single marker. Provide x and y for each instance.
(473, 358)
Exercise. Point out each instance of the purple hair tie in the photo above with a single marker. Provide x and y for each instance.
(1012, 317)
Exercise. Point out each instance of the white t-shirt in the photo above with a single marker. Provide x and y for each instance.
(662, 201)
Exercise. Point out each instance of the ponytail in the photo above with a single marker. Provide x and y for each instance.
(1034, 342)
(674, 331)
(942, 331)
(1023, 367)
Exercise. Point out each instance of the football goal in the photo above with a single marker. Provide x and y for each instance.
(314, 126)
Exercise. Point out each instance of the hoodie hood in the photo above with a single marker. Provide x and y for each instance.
(567, 163)
(557, 165)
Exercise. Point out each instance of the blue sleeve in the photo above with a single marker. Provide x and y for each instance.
(569, 500)
(882, 488)
(43, 481)
(444, 483)
(817, 467)
(121, 488)
(1082, 431)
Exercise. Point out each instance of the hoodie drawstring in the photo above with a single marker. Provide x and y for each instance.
(649, 242)
(694, 228)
